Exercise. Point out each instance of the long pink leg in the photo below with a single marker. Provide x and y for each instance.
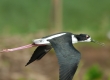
(19, 48)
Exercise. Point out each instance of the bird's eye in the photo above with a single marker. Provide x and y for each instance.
(87, 36)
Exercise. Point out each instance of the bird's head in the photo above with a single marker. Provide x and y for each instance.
(81, 38)
(84, 38)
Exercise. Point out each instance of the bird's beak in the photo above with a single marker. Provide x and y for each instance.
(102, 44)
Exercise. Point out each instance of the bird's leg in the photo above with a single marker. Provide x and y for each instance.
(19, 48)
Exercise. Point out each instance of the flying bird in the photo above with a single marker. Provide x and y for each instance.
(68, 56)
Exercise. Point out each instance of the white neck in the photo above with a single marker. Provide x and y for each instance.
(74, 39)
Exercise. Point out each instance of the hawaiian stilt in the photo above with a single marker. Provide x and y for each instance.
(68, 56)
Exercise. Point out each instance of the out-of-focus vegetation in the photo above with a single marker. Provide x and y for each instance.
(34, 18)
(93, 73)
(22, 16)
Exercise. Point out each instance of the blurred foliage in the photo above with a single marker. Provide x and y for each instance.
(109, 78)
(29, 16)
(87, 14)
(23, 16)
(21, 79)
(93, 73)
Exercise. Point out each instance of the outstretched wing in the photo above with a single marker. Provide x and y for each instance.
(39, 53)
(68, 56)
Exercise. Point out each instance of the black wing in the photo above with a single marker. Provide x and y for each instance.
(68, 56)
(39, 53)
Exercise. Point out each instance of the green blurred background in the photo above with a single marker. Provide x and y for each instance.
(21, 21)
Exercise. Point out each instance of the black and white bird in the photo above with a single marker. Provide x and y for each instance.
(68, 56)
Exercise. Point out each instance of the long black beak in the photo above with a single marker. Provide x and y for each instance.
(99, 43)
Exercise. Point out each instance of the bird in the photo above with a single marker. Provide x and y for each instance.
(68, 56)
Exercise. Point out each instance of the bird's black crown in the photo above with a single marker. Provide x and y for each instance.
(81, 37)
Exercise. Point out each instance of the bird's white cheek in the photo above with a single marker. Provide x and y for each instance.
(88, 40)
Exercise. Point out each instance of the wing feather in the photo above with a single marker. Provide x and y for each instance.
(39, 53)
(68, 56)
